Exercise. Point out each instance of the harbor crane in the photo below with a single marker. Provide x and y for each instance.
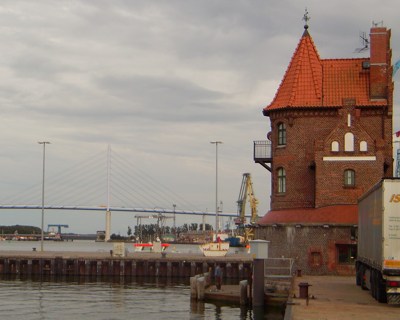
(246, 194)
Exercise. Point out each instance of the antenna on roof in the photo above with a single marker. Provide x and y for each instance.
(364, 42)
(306, 18)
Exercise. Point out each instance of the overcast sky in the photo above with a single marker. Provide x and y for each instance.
(157, 81)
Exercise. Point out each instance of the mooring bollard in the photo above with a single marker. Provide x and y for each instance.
(299, 272)
(303, 286)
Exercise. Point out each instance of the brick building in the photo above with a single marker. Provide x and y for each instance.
(330, 141)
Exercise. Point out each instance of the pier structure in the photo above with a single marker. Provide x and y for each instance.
(171, 265)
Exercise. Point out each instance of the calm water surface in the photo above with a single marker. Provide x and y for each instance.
(84, 298)
(30, 299)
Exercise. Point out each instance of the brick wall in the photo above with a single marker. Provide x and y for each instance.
(312, 182)
(313, 248)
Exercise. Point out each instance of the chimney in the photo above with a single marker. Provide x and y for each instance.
(380, 63)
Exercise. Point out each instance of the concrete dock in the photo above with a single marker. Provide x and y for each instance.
(336, 298)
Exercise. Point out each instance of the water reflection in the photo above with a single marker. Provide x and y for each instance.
(68, 297)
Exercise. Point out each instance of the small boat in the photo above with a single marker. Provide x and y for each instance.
(215, 249)
(150, 245)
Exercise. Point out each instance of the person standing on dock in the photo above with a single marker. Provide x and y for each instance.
(218, 277)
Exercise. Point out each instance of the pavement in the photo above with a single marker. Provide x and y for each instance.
(336, 298)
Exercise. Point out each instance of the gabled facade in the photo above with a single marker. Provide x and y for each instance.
(330, 141)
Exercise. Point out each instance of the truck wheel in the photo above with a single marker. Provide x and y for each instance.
(358, 274)
(381, 289)
(373, 284)
(362, 273)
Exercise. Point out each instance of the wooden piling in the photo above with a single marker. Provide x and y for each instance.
(244, 298)
(193, 288)
(201, 287)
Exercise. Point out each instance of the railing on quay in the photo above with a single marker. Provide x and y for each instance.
(278, 267)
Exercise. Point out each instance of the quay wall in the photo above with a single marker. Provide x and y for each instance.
(130, 265)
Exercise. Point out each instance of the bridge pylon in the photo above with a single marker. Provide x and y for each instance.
(108, 226)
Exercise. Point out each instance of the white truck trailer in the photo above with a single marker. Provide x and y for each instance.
(378, 256)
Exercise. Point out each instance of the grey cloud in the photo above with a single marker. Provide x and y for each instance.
(159, 79)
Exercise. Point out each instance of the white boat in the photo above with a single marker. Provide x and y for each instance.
(215, 249)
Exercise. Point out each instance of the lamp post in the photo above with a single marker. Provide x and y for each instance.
(216, 186)
(44, 166)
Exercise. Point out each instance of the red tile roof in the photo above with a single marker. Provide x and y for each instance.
(339, 214)
(313, 82)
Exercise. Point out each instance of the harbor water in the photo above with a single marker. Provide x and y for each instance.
(115, 298)
(41, 299)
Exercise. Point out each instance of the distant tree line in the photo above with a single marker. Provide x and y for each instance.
(17, 229)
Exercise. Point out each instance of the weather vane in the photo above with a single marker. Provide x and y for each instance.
(306, 18)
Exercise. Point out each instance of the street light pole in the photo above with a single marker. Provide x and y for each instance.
(174, 205)
(44, 166)
(216, 186)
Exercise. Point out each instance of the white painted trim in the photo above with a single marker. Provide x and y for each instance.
(361, 158)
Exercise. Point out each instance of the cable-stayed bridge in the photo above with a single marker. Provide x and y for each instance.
(105, 182)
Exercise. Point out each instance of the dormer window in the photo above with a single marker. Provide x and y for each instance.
(281, 134)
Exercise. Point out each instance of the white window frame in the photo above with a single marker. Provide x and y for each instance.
(349, 178)
(281, 180)
(281, 134)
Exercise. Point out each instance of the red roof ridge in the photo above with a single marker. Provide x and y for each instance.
(346, 59)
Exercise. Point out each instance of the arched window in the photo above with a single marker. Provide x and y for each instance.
(281, 180)
(281, 134)
(363, 146)
(335, 146)
(349, 142)
(349, 178)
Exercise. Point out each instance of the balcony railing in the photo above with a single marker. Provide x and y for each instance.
(262, 150)
(262, 153)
